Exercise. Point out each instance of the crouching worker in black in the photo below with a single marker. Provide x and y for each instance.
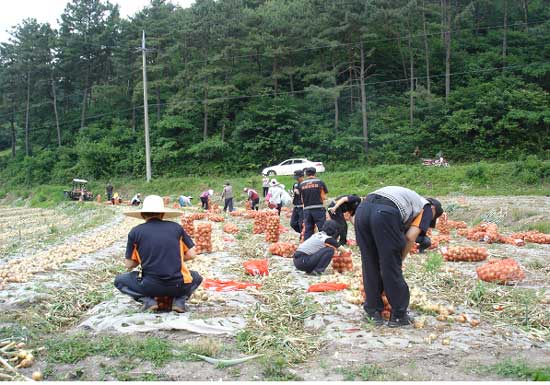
(161, 248)
(315, 254)
(338, 207)
(387, 224)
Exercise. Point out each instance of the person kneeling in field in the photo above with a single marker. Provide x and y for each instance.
(315, 254)
(161, 248)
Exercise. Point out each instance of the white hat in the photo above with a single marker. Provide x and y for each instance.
(273, 182)
(153, 204)
(210, 192)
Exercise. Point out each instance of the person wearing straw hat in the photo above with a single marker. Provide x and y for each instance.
(161, 248)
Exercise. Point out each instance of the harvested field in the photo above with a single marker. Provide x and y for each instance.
(78, 327)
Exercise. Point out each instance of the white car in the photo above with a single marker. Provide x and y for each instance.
(290, 165)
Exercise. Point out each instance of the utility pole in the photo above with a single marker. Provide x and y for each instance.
(146, 111)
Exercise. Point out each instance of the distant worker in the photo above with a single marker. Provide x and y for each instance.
(387, 225)
(313, 191)
(265, 185)
(205, 195)
(185, 201)
(136, 200)
(253, 197)
(336, 210)
(109, 191)
(314, 255)
(116, 199)
(297, 218)
(227, 196)
(275, 195)
(161, 248)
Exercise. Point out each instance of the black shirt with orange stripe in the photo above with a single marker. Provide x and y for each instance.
(423, 219)
(313, 191)
(159, 246)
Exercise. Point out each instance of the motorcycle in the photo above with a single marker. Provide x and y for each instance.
(440, 162)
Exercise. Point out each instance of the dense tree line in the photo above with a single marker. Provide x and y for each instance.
(236, 84)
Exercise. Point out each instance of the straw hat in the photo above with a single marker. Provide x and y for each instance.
(153, 204)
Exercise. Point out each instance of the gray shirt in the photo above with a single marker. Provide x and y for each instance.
(409, 202)
(227, 192)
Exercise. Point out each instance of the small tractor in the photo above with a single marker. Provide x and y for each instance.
(79, 191)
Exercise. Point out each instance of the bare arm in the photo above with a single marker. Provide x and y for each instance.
(410, 237)
(189, 254)
(339, 203)
(129, 264)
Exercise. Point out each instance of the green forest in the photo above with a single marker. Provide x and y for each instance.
(235, 85)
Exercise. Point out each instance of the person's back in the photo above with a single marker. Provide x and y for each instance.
(157, 244)
(313, 191)
(228, 192)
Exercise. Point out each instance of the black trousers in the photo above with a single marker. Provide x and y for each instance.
(339, 218)
(312, 218)
(204, 203)
(297, 218)
(228, 203)
(254, 203)
(316, 262)
(381, 239)
(266, 189)
(129, 284)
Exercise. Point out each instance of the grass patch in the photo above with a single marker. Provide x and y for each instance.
(433, 263)
(519, 370)
(366, 372)
(276, 369)
(542, 226)
(477, 179)
(73, 349)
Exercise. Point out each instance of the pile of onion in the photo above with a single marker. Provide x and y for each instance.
(272, 228)
(198, 216)
(464, 253)
(187, 224)
(501, 271)
(283, 249)
(215, 217)
(342, 262)
(260, 221)
(442, 225)
(386, 313)
(230, 228)
(203, 238)
(533, 237)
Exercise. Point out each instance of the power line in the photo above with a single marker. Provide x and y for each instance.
(80, 93)
(270, 94)
(356, 44)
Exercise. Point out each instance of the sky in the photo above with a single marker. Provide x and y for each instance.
(14, 11)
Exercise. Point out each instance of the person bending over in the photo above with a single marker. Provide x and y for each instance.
(387, 224)
(336, 210)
